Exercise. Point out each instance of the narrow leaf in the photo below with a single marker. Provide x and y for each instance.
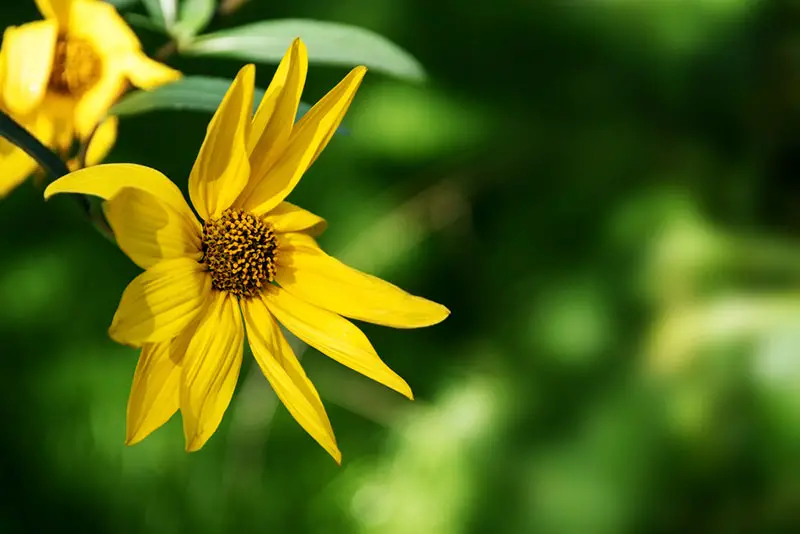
(191, 93)
(194, 16)
(122, 4)
(162, 12)
(328, 43)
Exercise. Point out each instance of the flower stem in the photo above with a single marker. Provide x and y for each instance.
(12, 131)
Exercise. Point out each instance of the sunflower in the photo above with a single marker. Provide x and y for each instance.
(251, 264)
(59, 77)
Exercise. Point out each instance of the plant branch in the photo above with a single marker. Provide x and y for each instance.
(50, 162)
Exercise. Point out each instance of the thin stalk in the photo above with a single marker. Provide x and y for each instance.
(12, 131)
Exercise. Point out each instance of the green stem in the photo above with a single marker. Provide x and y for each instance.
(50, 162)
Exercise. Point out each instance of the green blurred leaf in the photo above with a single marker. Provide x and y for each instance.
(162, 12)
(191, 93)
(194, 16)
(122, 4)
(141, 21)
(328, 43)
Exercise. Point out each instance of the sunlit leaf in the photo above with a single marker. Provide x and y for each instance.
(193, 17)
(191, 93)
(162, 12)
(328, 43)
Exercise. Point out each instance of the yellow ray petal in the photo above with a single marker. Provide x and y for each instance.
(155, 390)
(211, 369)
(147, 73)
(308, 273)
(16, 166)
(101, 25)
(333, 336)
(102, 141)
(221, 169)
(55, 9)
(149, 230)
(93, 106)
(273, 121)
(309, 137)
(28, 52)
(161, 302)
(105, 181)
(287, 217)
(279, 364)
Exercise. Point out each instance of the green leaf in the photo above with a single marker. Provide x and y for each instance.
(191, 93)
(122, 4)
(162, 12)
(193, 17)
(328, 43)
(140, 21)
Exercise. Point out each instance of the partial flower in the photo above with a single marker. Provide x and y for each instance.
(59, 77)
(250, 263)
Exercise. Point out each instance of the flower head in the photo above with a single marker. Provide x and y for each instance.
(252, 263)
(59, 76)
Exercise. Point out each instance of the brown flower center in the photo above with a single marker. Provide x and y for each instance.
(76, 67)
(239, 251)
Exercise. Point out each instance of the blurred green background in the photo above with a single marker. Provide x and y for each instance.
(604, 193)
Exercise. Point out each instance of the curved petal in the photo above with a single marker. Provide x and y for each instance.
(55, 9)
(102, 141)
(149, 230)
(273, 121)
(309, 137)
(287, 217)
(28, 52)
(154, 392)
(210, 369)
(147, 73)
(308, 273)
(100, 24)
(93, 106)
(161, 302)
(279, 364)
(221, 169)
(333, 336)
(105, 181)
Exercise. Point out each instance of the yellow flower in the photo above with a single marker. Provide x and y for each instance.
(59, 76)
(252, 261)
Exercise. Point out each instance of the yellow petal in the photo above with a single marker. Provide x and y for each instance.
(16, 166)
(93, 106)
(149, 230)
(287, 217)
(309, 137)
(333, 336)
(273, 121)
(279, 364)
(102, 141)
(308, 273)
(101, 25)
(210, 369)
(161, 302)
(221, 169)
(28, 52)
(55, 9)
(155, 390)
(147, 73)
(105, 181)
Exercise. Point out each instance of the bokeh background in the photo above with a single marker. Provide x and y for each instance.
(604, 193)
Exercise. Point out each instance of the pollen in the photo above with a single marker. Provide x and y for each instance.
(76, 67)
(239, 251)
